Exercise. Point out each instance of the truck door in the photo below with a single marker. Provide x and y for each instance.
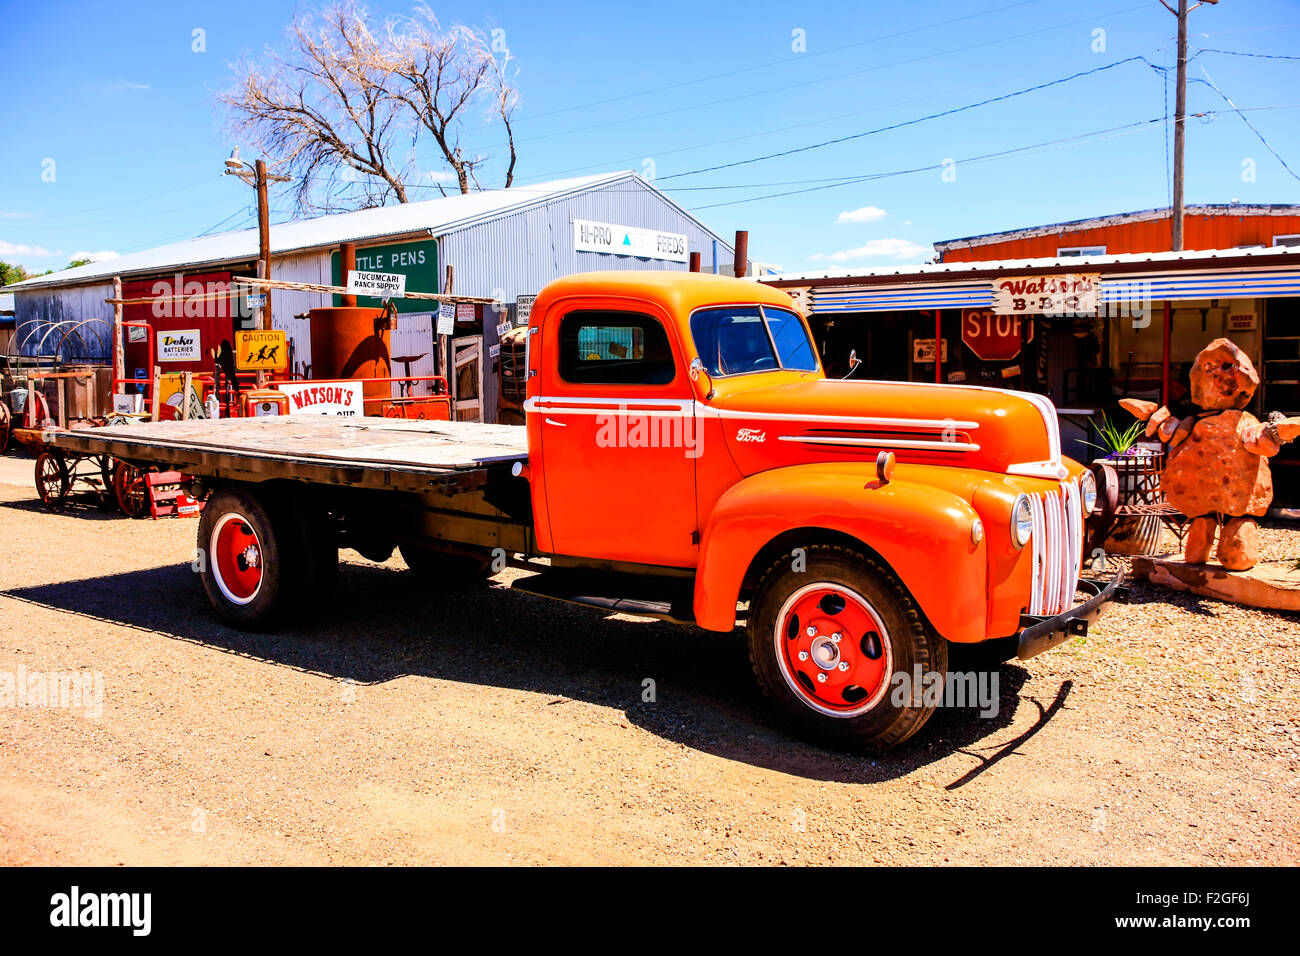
(618, 436)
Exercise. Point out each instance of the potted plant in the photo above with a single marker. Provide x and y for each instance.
(1135, 465)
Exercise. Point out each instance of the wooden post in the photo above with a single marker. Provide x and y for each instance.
(938, 346)
(1164, 355)
(444, 360)
(119, 347)
(153, 395)
(263, 320)
(347, 265)
(263, 239)
(186, 379)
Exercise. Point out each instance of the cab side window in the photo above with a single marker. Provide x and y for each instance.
(606, 347)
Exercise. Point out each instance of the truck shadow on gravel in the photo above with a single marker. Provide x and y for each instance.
(382, 623)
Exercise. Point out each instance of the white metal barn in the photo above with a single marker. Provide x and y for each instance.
(502, 244)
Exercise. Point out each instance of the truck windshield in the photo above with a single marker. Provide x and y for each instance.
(737, 339)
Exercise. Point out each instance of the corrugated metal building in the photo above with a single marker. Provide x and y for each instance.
(1205, 226)
(502, 244)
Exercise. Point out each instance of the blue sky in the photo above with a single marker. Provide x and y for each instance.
(115, 96)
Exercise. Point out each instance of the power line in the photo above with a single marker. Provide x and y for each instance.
(1267, 146)
(798, 58)
(127, 202)
(1262, 56)
(911, 122)
(824, 79)
(1111, 132)
(1130, 127)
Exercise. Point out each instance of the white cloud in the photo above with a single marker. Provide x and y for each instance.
(94, 256)
(119, 86)
(16, 215)
(865, 214)
(441, 176)
(889, 248)
(19, 249)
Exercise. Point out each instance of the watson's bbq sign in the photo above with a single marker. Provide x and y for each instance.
(1063, 295)
(336, 398)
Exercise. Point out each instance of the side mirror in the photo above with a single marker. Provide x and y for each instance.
(700, 375)
(854, 362)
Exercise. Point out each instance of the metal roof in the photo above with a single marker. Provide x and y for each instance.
(1142, 215)
(1229, 257)
(433, 217)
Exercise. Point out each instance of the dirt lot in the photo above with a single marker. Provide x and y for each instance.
(403, 726)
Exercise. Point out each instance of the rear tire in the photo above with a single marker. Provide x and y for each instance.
(252, 555)
(826, 643)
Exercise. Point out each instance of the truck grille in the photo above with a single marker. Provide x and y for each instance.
(1057, 548)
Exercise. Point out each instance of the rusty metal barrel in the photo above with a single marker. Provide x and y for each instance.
(352, 342)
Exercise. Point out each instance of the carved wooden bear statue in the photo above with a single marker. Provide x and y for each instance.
(1217, 473)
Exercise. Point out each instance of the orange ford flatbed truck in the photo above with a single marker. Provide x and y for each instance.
(684, 457)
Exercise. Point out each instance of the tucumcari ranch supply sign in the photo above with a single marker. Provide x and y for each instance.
(615, 240)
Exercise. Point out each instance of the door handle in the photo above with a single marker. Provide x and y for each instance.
(552, 421)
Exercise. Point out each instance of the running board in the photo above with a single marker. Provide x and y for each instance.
(585, 589)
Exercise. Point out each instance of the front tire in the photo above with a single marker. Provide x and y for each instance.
(826, 643)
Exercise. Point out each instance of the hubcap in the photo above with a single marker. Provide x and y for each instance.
(833, 650)
(236, 558)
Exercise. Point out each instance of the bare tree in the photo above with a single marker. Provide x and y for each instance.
(442, 75)
(336, 110)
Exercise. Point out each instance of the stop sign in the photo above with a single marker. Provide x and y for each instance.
(993, 338)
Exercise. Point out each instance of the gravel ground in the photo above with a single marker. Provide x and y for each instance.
(399, 725)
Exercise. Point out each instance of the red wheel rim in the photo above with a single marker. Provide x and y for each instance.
(833, 650)
(236, 554)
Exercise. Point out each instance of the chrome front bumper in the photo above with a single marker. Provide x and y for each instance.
(1041, 634)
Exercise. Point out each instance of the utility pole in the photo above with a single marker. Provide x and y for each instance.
(257, 177)
(264, 234)
(1180, 117)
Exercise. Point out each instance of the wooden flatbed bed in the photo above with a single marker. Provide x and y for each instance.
(367, 452)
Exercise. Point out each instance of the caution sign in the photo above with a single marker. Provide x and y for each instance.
(262, 351)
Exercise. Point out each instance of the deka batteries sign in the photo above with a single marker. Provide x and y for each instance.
(616, 240)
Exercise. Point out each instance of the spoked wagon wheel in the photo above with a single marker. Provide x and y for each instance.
(52, 480)
(6, 426)
(829, 642)
(130, 490)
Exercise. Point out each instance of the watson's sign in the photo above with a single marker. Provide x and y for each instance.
(628, 241)
(1062, 295)
(336, 398)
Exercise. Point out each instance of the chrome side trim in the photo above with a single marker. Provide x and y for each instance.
(883, 443)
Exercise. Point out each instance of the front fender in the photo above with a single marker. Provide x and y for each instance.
(922, 532)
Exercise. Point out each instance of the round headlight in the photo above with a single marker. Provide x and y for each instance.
(1088, 488)
(1022, 521)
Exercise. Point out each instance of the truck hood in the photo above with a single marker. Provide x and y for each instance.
(815, 419)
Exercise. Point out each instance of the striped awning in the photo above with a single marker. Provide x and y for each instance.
(1144, 287)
